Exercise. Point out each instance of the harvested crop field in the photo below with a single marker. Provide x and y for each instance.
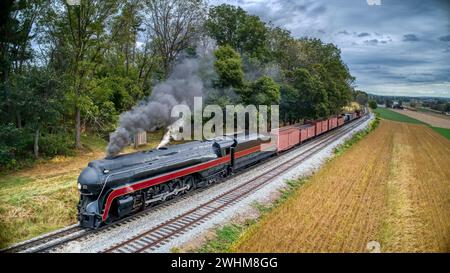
(433, 120)
(392, 187)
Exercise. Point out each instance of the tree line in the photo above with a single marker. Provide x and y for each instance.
(68, 70)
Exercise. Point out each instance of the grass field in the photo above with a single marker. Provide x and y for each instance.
(392, 187)
(391, 115)
(443, 131)
(44, 198)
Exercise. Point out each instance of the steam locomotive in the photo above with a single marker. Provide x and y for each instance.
(113, 188)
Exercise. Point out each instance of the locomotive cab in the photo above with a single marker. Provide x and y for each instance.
(222, 147)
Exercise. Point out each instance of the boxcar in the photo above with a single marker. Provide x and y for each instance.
(307, 131)
(287, 137)
(332, 123)
(324, 125)
(340, 121)
(317, 127)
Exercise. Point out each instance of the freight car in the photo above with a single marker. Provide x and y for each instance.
(332, 123)
(307, 131)
(113, 188)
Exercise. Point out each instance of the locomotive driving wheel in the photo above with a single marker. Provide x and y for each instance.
(165, 189)
(189, 183)
(176, 186)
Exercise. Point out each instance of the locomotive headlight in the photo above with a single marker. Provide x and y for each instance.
(79, 186)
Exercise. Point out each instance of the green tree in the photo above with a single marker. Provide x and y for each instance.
(228, 66)
(230, 25)
(312, 97)
(289, 110)
(41, 96)
(361, 97)
(279, 42)
(16, 32)
(80, 38)
(263, 91)
(372, 104)
(173, 26)
(336, 76)
(388, 103)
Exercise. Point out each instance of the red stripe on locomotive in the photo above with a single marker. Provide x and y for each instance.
(170, 176)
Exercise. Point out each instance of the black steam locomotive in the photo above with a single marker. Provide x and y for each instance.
(113, 188)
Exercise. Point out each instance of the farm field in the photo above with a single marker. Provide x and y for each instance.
(386, 113)
(431, 119)
(43, 198)
(392, 187)
(432, 113)
(437, 124)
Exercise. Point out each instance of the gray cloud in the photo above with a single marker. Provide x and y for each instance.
(445, 38)
(410, 38)
(371, 42)
(363, 34)
(401, 53)
(318, 10)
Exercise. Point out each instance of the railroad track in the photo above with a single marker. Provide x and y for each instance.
(47, 241)
(161, 234)
(53, 240)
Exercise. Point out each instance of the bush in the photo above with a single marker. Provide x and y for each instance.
(15, 144)
(372, 104)
(56, 144)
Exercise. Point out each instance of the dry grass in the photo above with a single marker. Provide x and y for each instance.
(418, 215)
(42, 198)
(393, 187)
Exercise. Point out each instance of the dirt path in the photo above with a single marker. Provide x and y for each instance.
(392, 187)
(433, 120)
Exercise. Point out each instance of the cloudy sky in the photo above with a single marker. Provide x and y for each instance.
(401, 47)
